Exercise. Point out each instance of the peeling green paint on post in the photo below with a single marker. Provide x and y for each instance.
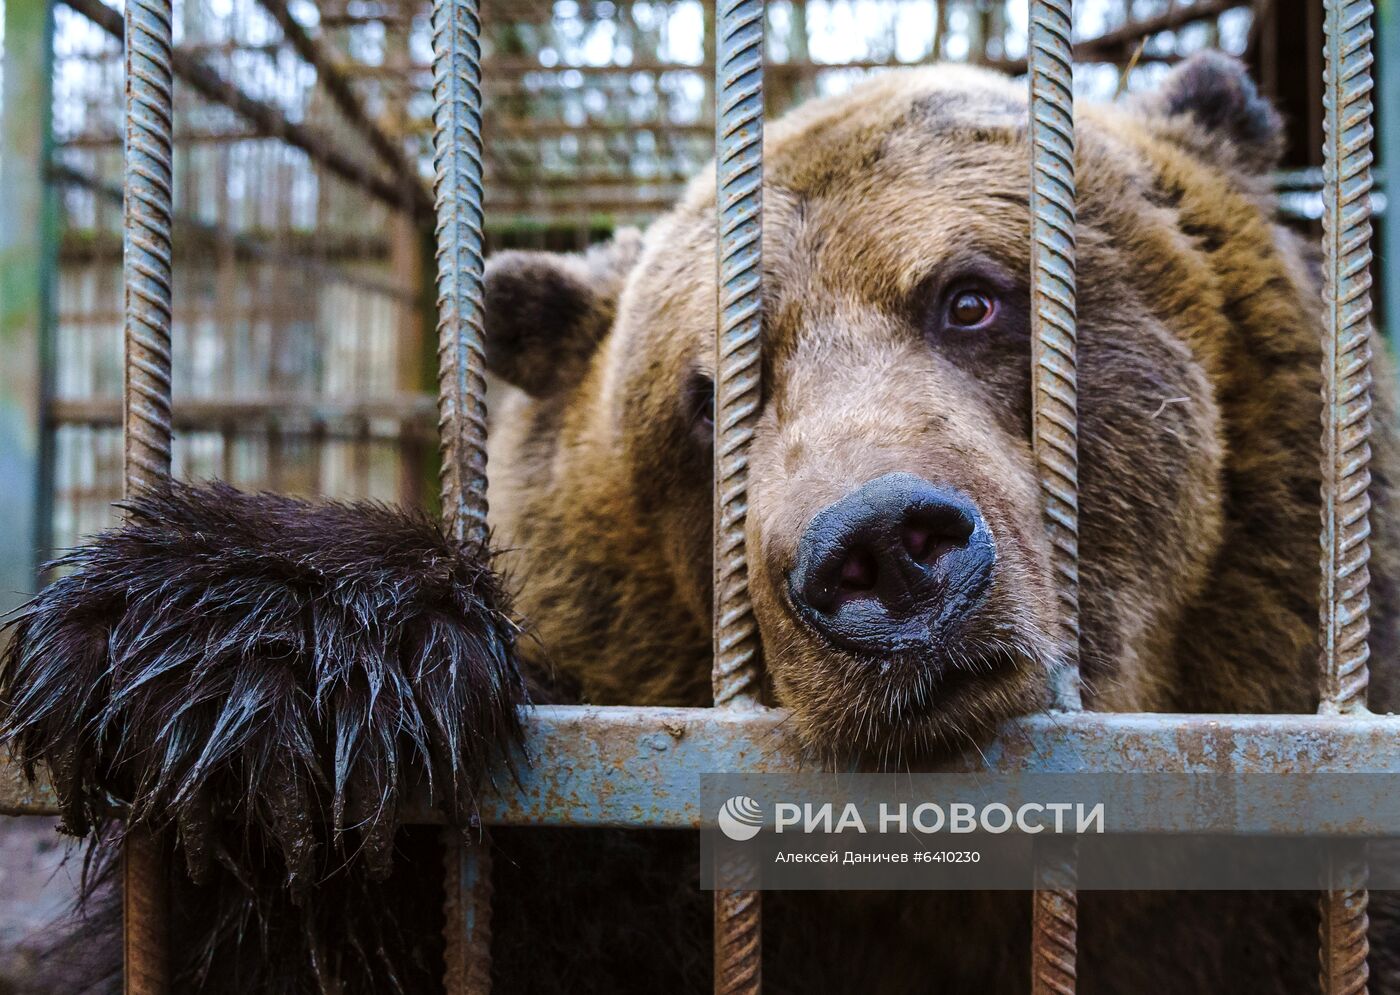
(27, 259)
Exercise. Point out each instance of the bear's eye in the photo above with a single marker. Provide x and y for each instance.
(970, 307)
(700, 406)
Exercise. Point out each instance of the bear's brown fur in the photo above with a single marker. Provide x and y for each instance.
(1199, 353)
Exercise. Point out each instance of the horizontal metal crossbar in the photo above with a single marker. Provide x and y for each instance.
(641, 767)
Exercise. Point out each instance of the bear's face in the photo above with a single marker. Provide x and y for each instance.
(899, 567)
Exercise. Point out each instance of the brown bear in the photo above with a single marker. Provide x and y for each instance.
(899, 567)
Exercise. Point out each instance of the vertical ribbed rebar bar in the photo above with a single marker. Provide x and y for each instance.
(1346, 448)
(1342, 932)
(1055, 393)
(466, 916)
(739, 208)
(147, 186)
(738, 942)
(739, 141)
(1346, 371)
(145, 914)
(457, 189)
(1055, 428)
(457, 179)
(1055, 919)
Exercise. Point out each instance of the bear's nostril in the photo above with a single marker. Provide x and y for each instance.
(859, 571)
(917, 541)
(924, 545)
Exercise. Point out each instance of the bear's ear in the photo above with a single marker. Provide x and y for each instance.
(1227, 117)
(546, 312)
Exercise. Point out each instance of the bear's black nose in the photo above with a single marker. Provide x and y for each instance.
(890, 565)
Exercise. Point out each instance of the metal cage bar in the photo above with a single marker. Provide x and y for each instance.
(1346, 447)
(1346, 450)
(1054, 391)
(1055, 431)
(457, 189)
(641, 767)
(738, 327)
(147, 183)
(739, 208)
(147, 214)
(466, 916)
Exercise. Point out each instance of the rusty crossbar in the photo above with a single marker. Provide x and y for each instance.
(638, 767)
(641, 767)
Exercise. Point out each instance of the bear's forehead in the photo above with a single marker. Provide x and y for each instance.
(865, 194)
(868, 194)
(916, 130)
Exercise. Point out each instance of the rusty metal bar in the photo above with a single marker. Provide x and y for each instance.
(739, 320)
(147, 184)
(145, 915)
(1055, 918)
(1055, 923)
(148, 197)
(466, 915)
(739, 162)
(1342, 932)
(457, 188)
(738, 941)
(1346, 450)
(457, 168)
(267, 118)
(1054, 391)
(641, 767)
(1055, 427)
(337, 84)
(1347, 357)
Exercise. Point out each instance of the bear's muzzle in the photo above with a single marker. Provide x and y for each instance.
(893, 566)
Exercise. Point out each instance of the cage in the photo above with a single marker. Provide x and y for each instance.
(307, 140)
